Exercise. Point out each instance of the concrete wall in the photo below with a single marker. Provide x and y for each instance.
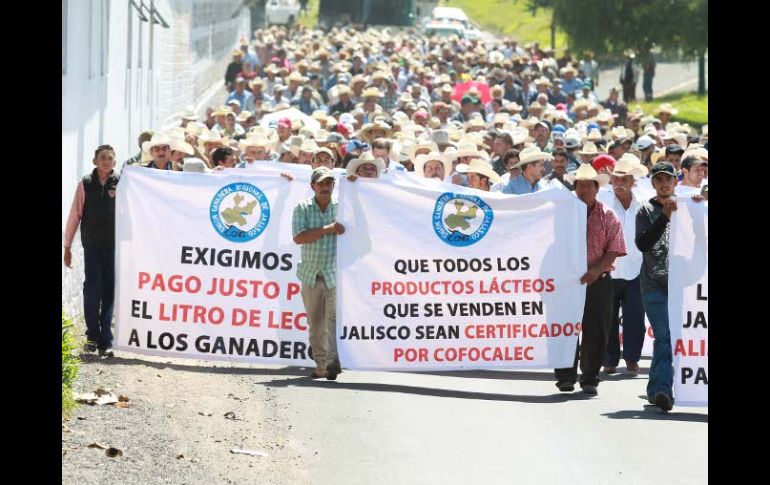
(121, 75)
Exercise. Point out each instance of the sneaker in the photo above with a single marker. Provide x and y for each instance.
(663, 401)
(590, 389)
(331, 375)
(90, 347)
(632, 367)
(566, 386)
(610, 369)
(106, 352)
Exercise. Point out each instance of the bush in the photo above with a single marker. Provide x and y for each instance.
(69, 363)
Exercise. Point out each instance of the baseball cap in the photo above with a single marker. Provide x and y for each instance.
(644, 142)
(320, 174)
(467, 99)
(690, 161)
(663, 167)
(571, 142)
(603, 161)
(284, 122)
(545, 123)
(674, 148)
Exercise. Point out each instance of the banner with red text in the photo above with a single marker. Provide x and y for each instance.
(437, 276)
(688, 274)
(206, 266)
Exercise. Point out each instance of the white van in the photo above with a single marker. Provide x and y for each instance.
(281, 12)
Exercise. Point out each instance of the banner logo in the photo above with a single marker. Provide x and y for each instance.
(239, 212)
(461, 220)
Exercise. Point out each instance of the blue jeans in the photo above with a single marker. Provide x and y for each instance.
(626, 294)
(99, 294)
(662, 367)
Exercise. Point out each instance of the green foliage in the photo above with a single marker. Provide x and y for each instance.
(693, 109)
(69, 362)
(613, 26)
(511, 17)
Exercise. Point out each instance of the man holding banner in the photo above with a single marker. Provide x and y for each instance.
(652, 230)
(604, 243)
(314, 227)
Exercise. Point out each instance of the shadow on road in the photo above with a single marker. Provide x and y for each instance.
(426, 391)
(652, 412)
(208, 369)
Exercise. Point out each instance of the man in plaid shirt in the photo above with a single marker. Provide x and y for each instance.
(314, 226)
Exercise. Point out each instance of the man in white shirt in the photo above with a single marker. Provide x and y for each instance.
(625, 278)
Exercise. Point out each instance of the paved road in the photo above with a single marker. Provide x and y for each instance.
(487, 427)
(669, 78)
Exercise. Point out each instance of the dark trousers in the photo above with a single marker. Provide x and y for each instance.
(628, 296)
(595, 331)
(99, 294)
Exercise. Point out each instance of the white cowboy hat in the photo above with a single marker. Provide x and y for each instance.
(182, 146)
(421, 160)
(501, 118)
(480, 167)
(594, 135)
(255, 141)
(157, 139)
(529, 155)
(466, 149)
(188, 114)
(587, 172)
(629, 164)
(420, 145)
(366, 157)
(589, 149)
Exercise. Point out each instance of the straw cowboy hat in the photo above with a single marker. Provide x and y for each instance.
(366, 157)
(529, 155)
(371, 93)
(594, 135)
(629, 164)
(421, 145)
(421, 160)
(178, 145)
(255, 141)
(196, 128)
(244, 116)
(587, 172)
(501, 118)
(308, 145)
(667, 108)
(365, 131)
(296, 76)
(480, 167)
(589, 149)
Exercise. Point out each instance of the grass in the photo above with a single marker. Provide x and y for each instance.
(69, 364)
(311, 18)
(693, 109)
(499, 17)
(511, 17)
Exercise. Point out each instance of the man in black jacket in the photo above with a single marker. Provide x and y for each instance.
(93, 209)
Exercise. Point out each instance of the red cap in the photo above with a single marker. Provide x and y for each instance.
(284, 122)
(602, 161)
(421, 114)
(561, 107)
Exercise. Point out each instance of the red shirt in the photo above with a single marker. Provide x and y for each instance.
(605, 233)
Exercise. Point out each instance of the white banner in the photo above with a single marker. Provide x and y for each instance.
(206, 266)
(434, 276)
(688, 301)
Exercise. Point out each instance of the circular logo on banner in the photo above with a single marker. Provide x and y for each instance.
(461, 220)
(240, 212)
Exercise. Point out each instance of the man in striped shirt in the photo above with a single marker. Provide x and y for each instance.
(314, 226)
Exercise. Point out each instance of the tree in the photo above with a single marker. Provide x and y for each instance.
(610, 27)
